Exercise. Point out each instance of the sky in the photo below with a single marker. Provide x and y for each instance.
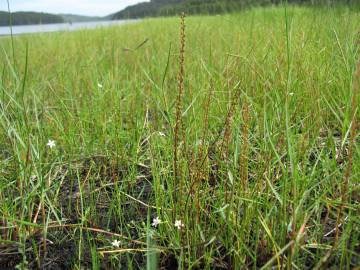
(81, 7)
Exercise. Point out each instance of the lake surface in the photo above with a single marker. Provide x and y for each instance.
(44, 28)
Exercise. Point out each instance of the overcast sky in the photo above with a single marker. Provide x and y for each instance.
(82, 7)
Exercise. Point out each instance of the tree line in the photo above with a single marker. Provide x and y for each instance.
(173, 7)
(26, 18)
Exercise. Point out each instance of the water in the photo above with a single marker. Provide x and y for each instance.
(44, 28)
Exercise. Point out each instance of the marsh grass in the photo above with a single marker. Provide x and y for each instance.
(250, 139)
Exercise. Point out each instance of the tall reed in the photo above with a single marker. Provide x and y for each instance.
(178, 120)
(244, 153)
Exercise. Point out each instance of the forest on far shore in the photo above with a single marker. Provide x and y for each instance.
(156, 8)
(25, 18)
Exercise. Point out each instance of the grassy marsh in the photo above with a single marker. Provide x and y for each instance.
(262, 132)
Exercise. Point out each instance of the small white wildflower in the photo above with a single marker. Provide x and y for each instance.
(51, 144)
(179, 224)
(199, 142)
(291, 94)
(100, 85)
(162, 134)
(116, 243)
(156, 222)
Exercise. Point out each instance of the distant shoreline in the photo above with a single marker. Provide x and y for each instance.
(59, 27)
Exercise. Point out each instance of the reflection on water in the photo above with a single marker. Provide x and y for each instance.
(41, 28)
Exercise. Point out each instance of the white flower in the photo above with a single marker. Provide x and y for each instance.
(199, 142)
(156, 222)
(116, 243)
(162, 134)
(179, 224)
(100, 85)
(51, 144)
(291, 94)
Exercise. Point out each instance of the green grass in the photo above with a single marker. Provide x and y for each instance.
(263, 146)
